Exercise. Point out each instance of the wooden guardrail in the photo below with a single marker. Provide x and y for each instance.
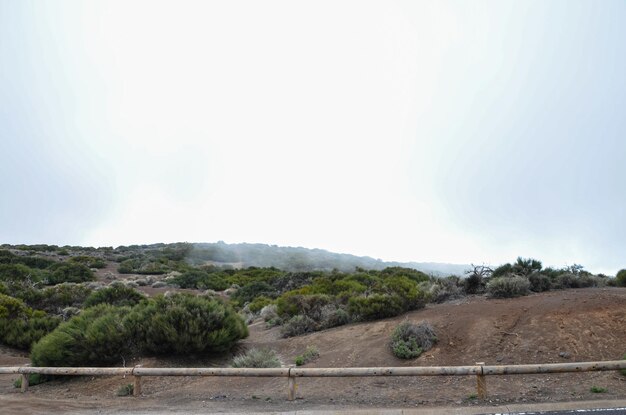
(480, 370)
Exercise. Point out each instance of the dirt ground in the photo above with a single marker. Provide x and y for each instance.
(560, 326)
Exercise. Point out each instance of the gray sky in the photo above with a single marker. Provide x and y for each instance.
(403, 130)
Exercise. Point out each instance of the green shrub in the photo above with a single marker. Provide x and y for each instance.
(298, 325)
(539, 282)
(257, 358)
(375, 306)
(292, 303)
(620, 278)
(69, 272)
(444, 289)
(183, 324)
(623, 371)
(258, 303)
(104, 334)
(332, 315)
(408, 340)
(253, 290)
(566, 280)
(18, 272)
(200, 279)
(88, 261)
(311, 353)
(116, 294)
(98, 336)
(597, 389)
(55, 299)
(126, 390)
(33, 379)
(20, 325)
(507, 287)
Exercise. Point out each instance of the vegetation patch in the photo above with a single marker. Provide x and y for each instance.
(256, 358)
(409, 340)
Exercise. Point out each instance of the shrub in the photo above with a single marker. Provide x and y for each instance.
(20, 325)
(409, 340)
(126, 390)
(597, 389)
(474, 284)
(99, 335)
(200, 279)
(292, 303)
(69, 272)
(253, 290)
(88, 261)
(623, 371)
(311, 353)
(258, 304)
(33, 379)
(507, 287)
(620, 278)
(55, 299)
(539, 282)
(298, 325)
(444, 289)
(116, 294)
(375, 306)
(332, 316)
(183, 324)
(257, 358)
(178, 324)
(566, 280)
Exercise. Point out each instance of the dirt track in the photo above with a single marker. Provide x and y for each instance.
(586, 324)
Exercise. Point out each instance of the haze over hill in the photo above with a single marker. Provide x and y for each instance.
(304, 259)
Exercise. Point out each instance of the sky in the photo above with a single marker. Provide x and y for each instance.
(447, 131)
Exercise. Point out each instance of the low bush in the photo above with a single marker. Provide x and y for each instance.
(97, 336)
(104, 334)
(69, 272)
(539, 282)
(375, 306)
(257, 358)
(88, 261)
(408, 340)
(200, 279)
(116, 294)
(598, 389)
(298, 325)
(620, 278)
(126, 390)
(20, 325)
(183, 324)
(33, 379)
(253, 290)
(508, 287)
(311, 353)
(444, 289)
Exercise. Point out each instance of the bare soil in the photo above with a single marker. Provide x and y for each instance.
(560, 326)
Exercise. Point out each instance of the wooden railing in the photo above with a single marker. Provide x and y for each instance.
(480, 370)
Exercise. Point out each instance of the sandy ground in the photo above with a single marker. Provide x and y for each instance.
(586, 324)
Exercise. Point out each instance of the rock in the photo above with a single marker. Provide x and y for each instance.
(159, 284)
(564, 355)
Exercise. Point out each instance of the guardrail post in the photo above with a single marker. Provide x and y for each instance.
(481, 382)
(25, 379)
(136, 383)
(291, 384)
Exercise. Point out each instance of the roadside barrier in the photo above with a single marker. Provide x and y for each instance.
(480, 370)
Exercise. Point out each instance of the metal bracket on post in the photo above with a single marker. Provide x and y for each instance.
(136, 383)
(291, 384)
(481, 382)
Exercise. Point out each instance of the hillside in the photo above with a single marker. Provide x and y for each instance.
(558, 326)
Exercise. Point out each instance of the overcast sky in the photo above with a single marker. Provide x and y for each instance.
(472, 131)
